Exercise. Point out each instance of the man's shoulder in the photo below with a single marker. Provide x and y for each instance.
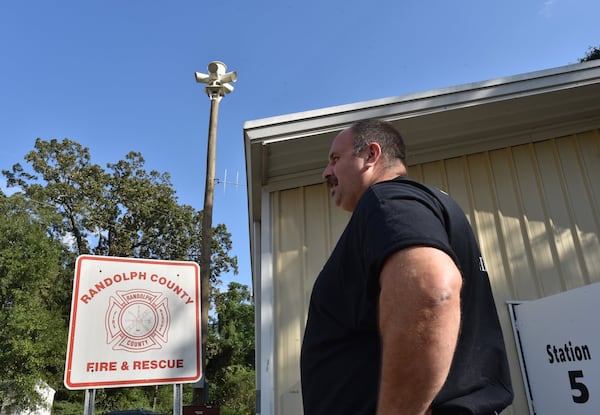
(404, 187)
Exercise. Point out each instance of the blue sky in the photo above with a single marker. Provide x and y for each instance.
(118, 76)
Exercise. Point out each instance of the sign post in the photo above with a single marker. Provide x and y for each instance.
(177, 399)
(133, 322)
(88, 404)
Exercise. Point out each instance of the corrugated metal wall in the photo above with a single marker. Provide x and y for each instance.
(535, 209)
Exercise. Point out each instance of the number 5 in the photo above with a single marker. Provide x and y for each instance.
(584, 394)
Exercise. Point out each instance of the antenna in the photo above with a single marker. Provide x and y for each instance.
(226, 182)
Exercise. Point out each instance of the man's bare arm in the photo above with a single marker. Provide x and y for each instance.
(419, 319)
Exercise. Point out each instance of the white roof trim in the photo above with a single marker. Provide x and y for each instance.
(437, 99)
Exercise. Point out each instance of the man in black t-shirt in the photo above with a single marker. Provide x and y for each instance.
(401, 317)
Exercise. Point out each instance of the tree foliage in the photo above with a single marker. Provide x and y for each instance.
(231, 351)
(124, 211)
(592, 54)
(32, 316)
(66, 206)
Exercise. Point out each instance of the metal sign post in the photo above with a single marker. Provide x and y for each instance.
(88, 406)
(177, 399)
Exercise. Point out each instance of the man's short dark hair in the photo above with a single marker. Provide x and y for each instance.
(381, 132)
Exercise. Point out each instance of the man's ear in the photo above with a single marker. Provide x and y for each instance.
(373, 152)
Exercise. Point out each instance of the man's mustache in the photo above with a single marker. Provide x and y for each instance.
(331, 181)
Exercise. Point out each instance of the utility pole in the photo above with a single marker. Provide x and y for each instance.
(217, 86)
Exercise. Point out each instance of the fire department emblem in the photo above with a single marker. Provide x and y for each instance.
(137, 320)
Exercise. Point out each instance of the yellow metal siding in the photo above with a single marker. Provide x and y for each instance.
(535, 209)
(288, 305)
(305, 232)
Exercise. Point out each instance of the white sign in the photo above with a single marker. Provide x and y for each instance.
(560, 343)
(133, 322)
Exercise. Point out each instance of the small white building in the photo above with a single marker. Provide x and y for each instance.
(520, 154)
(47, 394)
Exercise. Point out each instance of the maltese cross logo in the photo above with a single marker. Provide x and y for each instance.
(137, 320)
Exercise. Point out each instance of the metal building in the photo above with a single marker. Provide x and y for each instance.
(520, 154)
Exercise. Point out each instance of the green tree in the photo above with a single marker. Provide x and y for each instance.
(235, 391)
(125, 211)
(32, 317)
(231, 351)
(61, 188)
(593, 53)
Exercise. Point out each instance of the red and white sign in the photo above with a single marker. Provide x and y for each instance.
(133, 322)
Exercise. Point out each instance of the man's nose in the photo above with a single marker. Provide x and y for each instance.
(327, 172)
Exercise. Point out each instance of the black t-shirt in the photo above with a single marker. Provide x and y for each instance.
(341, 350)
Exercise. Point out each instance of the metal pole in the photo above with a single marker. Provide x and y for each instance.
(88, 405)
(177, 399)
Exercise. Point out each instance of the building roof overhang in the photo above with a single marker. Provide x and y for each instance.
(291, 150)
